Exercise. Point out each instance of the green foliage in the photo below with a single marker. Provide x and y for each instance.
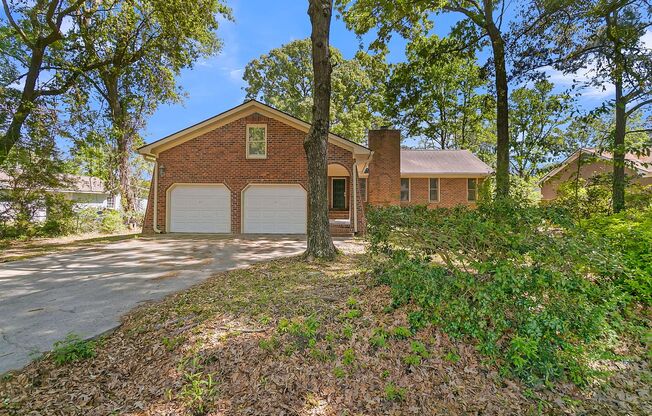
(536, 121)
(282, 78)
(348, 358)
(73, 348)
(440, 100)
(198, 388)
(630, 233)
(379, 338)
(394, 393)
(304, 331)
(401, 332)
(534, 292)
(111, 221)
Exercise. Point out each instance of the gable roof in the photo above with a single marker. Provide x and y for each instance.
(242, 110)
(74, 183)
(460, 163)
(641, 164)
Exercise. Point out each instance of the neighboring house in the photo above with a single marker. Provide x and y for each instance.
(84, 191)
(591, 163)
(245, 171)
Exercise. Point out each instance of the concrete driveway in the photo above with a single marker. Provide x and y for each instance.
(86, 291)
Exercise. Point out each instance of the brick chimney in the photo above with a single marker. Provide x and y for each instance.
(384, 182)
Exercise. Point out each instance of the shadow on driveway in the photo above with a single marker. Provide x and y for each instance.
(86, 291)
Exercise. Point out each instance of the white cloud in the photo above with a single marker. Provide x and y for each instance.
(580, 80)
(236, 74)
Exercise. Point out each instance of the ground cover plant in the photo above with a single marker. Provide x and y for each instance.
(281, 338)
(535, 294)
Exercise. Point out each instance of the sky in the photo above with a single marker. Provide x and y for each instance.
(215, 84)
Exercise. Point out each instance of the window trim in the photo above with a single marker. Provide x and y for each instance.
(438, 190)
(409, 190)
(264, 127)
(476, 190)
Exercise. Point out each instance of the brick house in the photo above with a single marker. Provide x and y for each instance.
(588, 163)
(245, 171)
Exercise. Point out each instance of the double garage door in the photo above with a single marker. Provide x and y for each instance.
(266, 209)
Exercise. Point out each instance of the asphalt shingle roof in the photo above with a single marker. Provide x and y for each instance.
(442, 162)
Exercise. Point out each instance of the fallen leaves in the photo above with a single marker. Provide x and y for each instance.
(217, 349)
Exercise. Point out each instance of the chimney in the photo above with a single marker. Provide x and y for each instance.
(384, 181)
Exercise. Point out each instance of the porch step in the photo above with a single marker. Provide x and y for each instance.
(338, 215)
(341, 230)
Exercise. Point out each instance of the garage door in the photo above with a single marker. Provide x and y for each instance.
(200, 209)
(274, 209)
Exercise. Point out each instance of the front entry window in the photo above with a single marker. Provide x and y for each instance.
(339, 193)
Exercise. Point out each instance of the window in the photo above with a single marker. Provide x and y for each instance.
(405, 189)
(256, 141)
(110, 202)
(472, 189)
(363, 188)
(434, 189)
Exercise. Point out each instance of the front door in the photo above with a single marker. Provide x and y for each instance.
(339, 193)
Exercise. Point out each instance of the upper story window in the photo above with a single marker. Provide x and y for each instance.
(363, 188)
(405, 189)
(256, 141)
(472, 189)
(434, 190)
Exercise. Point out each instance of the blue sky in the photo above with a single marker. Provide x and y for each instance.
(215, 84)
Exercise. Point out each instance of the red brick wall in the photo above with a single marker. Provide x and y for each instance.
(219, 156)
(384, 184)
(452, 192)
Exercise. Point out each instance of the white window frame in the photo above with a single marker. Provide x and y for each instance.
(438, 190)
(476, 190)
(409, 190)
(264, 127)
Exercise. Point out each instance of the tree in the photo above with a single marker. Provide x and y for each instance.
(412, 18)
(283, 78)
(604, 39)
(438, 99)
(47, 59)
(320, 243)
(537, 121)
(146, 44)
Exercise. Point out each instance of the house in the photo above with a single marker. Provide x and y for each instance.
(245, 171)
(84, 191)
(588, 163)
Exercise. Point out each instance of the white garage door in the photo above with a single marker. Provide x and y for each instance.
(274, 209)
(200, 209)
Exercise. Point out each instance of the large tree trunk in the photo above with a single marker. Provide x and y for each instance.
(124, 137)
(25, 105)
(618, 191)
(502, 104)
(320, 243)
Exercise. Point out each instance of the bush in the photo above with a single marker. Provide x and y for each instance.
(111, 221)
(531, 290)
(60, 217)
(629, 233)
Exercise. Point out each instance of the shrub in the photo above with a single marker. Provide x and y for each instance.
(72, 348)
(111, 221)
(531, 290)
(629, 233)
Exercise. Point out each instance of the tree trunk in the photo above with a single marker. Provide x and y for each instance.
(502, 104)
(25, 106)
(124, 140)
(320, 243)
(618, 191)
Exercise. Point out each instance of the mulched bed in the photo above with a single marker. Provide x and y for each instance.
(220, 348)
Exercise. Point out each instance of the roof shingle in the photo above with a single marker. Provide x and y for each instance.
(442, 162)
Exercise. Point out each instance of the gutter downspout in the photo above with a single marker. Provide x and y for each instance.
(355, 197)
(155, 204)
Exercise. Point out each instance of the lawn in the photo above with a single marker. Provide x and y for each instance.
(287, 337)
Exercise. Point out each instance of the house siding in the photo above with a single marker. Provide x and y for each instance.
(587, 170)
(219, 156)
(452, 192)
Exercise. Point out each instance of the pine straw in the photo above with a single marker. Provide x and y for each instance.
(217, 327)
